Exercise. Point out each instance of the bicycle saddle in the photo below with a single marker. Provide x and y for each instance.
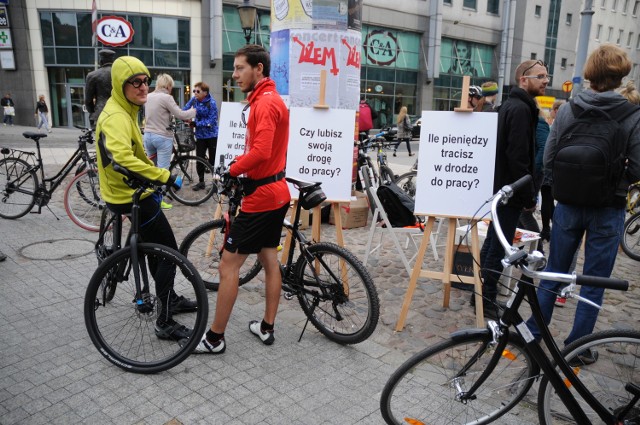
(34, 136)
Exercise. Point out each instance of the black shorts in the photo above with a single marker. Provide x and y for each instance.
(250, 232)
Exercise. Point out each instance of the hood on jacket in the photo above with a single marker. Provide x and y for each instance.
(122, 70)
(607, 101)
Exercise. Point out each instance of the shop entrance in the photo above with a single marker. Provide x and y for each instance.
(75, 114)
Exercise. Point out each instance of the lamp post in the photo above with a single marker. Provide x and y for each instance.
(248, 12)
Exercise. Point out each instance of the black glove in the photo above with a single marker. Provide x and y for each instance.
(175, 182)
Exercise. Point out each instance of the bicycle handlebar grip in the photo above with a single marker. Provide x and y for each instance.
(603, 282)
(521, 182)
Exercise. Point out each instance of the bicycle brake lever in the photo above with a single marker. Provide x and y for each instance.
(584, 300)
(568, 292)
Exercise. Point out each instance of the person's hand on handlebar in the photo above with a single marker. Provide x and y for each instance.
(175, 182)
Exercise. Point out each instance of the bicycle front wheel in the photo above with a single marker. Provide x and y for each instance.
(187, 167)
(427, 387)
(337, 294)
(631, 237)
(124, 331)
(407, 182)
(18, 185)
(617, 360)
(203, 247)
(82, 200)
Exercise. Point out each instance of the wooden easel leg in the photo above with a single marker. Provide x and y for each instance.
(448, 260)
(415, 273)
(477, 283)
(287, 239)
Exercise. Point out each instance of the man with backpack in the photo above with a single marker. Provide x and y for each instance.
(593, 152)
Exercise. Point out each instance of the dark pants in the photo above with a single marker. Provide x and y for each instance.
(407, 140)
(202, 146)
(492, 251)
(546, 209)
(154, 228)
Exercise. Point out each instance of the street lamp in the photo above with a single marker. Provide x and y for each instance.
(248, 12)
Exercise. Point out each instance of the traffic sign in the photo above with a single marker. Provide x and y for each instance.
(567, 86)
(576, 80)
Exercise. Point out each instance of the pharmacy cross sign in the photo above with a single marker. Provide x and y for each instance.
(4, 37)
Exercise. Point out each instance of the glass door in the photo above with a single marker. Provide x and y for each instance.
(75, 106)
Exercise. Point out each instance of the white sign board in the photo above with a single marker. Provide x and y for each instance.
(457, 157)
(231, 131)
(321, 149)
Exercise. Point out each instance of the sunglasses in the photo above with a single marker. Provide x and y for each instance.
(197, 91)
(137, 82)
(538, 62)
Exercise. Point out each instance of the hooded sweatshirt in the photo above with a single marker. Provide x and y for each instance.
(120, 140)
(607, 101)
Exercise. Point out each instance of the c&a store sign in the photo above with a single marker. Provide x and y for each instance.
(114, 31)
(381, 47)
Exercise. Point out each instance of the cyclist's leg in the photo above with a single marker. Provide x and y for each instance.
(273, 282)
(211, 148)
(230, 264)
(201, 151)
(164, 147)
(150, 147)
(604, 229)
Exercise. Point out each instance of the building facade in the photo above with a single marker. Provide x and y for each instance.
(414, 52)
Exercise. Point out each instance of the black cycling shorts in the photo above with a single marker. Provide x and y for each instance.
(250, 232)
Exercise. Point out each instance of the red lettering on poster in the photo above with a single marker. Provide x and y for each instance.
(354, 54)
(317, 56)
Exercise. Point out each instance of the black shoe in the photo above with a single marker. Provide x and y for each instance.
(585, 358)
(410, 154)
(394, 153)
(180, 304)
(198, 186)
(170, 329)
(545, 235)
(2, 256)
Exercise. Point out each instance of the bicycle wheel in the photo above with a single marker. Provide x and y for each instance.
(425, 388)
(82, 200)
(203, 247)
(386, 174)
(186, 167)
(631, 237)
(617, 363)
(407, 182)
(18, 186)
(124, 331)
(338, 295)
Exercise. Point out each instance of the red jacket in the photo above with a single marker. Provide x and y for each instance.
(365, 122)
(265, 151)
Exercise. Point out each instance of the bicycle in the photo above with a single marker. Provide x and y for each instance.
(21, 188)
(630, 242)
(334, 289)
(122, 303)
(186, 166)
(407, 181)
(382, 173)
(476, 376)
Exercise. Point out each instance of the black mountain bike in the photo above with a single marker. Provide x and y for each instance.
(382, 173)
(332, 286)
(476, 376)
(23, 184)
(122, 304)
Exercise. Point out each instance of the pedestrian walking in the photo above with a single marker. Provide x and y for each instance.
(41, 113)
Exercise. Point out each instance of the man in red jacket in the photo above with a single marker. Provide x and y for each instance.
(257, 228)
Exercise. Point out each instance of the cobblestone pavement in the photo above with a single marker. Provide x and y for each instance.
(51, 373)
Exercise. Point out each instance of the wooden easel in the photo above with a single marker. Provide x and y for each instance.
(315, 226)
(450, 246)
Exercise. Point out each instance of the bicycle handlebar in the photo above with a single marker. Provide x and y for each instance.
(522, 262)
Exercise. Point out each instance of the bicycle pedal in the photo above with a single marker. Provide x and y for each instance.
(288, 296)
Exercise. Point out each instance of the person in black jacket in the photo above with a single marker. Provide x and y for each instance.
(515, 150)
(9, 109)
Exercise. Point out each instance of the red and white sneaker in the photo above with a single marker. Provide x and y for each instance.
(560, 301)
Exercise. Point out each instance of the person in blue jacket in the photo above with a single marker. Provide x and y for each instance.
(206, 124)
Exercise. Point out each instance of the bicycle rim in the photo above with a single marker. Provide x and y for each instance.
(338, 295)
(618, 363)
(631, 237)
(82, 200)
(18, 186)
(423, 389)
(407, 182)
(203, 245)
(124, 333)
(187, 168)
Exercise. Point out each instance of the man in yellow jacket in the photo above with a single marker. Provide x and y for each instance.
(120, 142)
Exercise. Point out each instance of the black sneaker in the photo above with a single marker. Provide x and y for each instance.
(198, 186)
(170, 329)
(585, 358)
(180, 304)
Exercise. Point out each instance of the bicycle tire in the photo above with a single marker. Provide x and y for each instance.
(186, 167)
(330, 297)
(15, 204)
(82, 200)
(616, 365)
(407, 182)
(195, 246)
(424, 387)
(124, 335)
(386, 174)
(630, 241)
(105, 246)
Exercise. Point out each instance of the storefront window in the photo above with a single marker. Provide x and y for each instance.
(165, 33)
(64, 29)
(143, 37)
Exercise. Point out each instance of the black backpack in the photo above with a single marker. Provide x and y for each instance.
(398, 205)
(589, 161)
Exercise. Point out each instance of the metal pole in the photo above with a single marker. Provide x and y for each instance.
(583, 44)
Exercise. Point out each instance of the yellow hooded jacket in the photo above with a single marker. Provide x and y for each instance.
(120, 139)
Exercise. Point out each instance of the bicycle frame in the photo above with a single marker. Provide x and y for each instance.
(500, 333)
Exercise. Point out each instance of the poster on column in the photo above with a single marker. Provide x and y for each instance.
(231, 130)
(337, 52)
(321, 149)
(457, 157)
(288, 14)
